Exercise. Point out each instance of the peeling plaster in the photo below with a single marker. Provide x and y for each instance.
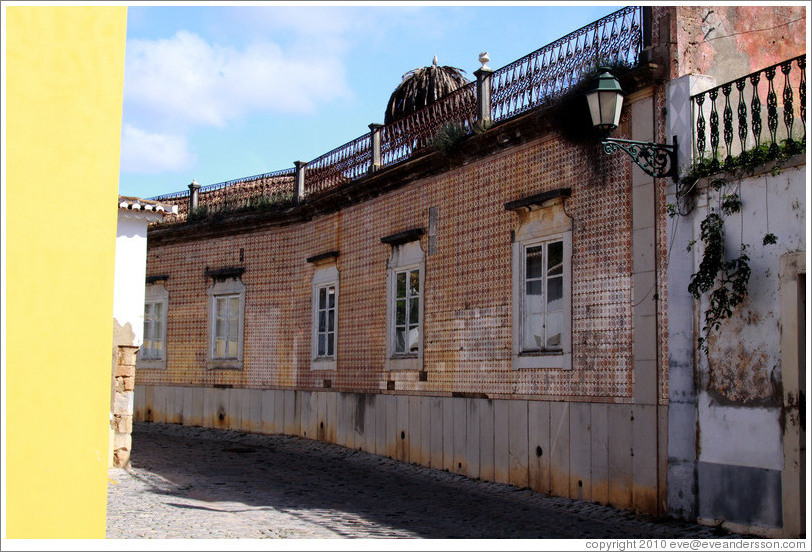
(731, 41)
(122, 335)
(743, 372)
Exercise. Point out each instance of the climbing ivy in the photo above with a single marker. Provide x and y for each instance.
(725, 279)
(747, 161)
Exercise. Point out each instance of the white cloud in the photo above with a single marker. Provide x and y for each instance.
(186, 80)
(144, 152)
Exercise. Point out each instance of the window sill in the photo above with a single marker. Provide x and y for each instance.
(232, 364)
(403, 362)
(542, 359)
(150, 364)
(323, 364)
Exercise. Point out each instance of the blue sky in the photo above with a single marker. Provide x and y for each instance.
(222, 92)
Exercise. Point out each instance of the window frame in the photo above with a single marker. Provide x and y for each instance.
(154, 294)
(544, 279)
(405, 257)
(323, 278)
(408, 299)
(228, 287)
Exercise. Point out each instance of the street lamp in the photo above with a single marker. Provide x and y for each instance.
(605, 100)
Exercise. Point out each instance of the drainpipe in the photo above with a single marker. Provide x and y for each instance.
(194, 193)
(300, 180)
(483, 90)
(375, 141)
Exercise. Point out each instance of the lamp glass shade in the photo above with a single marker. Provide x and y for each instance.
(605, 101)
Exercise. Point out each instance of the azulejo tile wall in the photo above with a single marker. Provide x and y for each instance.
(467, 311)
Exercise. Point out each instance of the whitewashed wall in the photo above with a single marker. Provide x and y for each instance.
(728, 409)
(131, 266)
(128, 324)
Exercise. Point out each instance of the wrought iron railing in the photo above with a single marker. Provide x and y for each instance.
(516, 88)
(762, 109)
(267, 189)
(413, 134)
(343, 164)
(554, 69)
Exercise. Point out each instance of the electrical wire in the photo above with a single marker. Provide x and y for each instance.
(754, 30)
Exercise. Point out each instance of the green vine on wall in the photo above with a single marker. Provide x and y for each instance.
(726, 279)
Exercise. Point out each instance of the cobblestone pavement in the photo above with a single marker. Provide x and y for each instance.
(188, 482)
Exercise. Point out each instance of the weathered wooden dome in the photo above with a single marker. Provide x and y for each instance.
(421, 87)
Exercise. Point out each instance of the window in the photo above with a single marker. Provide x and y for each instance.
(154, 337)
(326, 329)
(542, 247)
(407, 311)
(152, 353)
(324, 336)
(405, 277)
(226, 326)
(226, 315)
(542, 300)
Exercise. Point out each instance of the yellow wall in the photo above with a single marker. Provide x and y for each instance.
(64, 84)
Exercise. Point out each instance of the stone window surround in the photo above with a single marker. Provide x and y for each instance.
(155, 292)
(542, 219)
(406, 254)
(325, 275)
(225, 282)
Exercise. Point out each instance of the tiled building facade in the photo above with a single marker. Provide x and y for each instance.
(393, 313)
(468, 278)
(468, 285)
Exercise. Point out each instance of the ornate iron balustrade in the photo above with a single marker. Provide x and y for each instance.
(273, 188)
(343, 164)
(552, 70)
(516, 88)
(413, 134)
(755, 123)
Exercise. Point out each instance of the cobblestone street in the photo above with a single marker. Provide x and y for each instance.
(188, 482)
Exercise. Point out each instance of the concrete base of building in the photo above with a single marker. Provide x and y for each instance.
(599, 452)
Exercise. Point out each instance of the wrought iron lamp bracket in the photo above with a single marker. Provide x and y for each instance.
(657, 160)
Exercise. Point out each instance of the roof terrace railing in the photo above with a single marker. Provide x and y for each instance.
(344, 164)
(521, 86)
(261, 190)
(552, 70)
(755, 123)
(413, 134)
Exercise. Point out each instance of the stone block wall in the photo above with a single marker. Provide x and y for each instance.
(122, 410)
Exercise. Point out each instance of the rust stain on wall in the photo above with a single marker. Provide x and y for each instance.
(740, 374)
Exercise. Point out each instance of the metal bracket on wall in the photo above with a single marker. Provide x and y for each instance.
(657, 160)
